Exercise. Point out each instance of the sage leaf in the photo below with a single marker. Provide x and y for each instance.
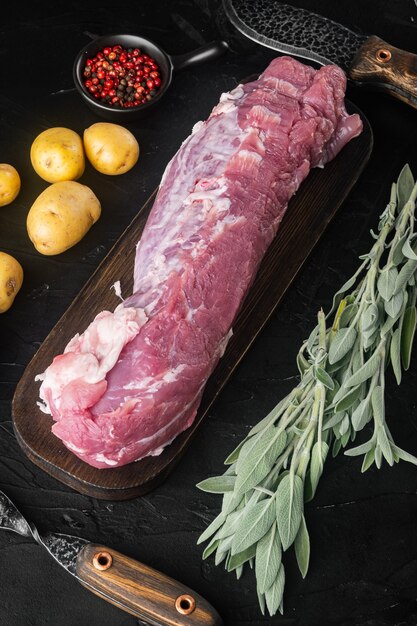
(393, 306)
(322, 376)
(237, 560)
(334, 420)
(405, 186)
(349, 399)
(345, 287)
(405, 456)
(262, 603)
(368, 460)
(318, 457)
(362, 449)
(378, 457)
(386, 282)
(233, 456)
(337, 444)
(395, 354)
(344, 425)
(408, 251)
(273, 595)
(230, 524)
(397, 251)
(253, 525)
(347, 315)
(342, 343)
(220, 556)
(302, 363)
(302, 548)
(362, 414)
(289, 500)
(407, 335)
(238, 571)
(377, 399)
(365, 372)
(369, 318)
(406, 272)
(384, 444)
(212, 547)
(212, 528)
(268, 559)
(217, 484)
(252, 467)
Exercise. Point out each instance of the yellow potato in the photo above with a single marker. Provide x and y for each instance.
(61, 216)
(11, 278)
(110, 148)
(9, 184)
(57, 154)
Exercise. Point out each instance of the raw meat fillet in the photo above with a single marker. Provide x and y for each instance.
(129, 384)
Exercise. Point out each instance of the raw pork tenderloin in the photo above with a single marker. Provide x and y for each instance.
(131, 382)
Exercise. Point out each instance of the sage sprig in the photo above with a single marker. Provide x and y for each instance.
(342, 365)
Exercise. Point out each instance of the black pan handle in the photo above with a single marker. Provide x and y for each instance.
(209, 52)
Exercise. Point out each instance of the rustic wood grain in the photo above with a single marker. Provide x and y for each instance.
(381, 66)
(142, 590)
(308, 215)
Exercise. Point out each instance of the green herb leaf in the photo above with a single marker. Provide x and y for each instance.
(302, 548)
(253, 525)
(237, 560)
(385, 446)
(217, 484)
(349, 399)
(289, 508)
(408, 250)
(347, 315)
(342, 343)
(395, 354)
(233, 456)
(386, 282)
(368, 460)
(405, 456)
(405, 186)
(362, 449)
(365, 372)
(302, 363)
(397, 251)
(273, 595)
(393, 306)
(268, 559)
(212, 547)
(377, 399)
(212, 528)
(362, 414)
(322, 376)
(370, 318)
(407, 335)
(318, 457)
(406, 272)
(254, 465)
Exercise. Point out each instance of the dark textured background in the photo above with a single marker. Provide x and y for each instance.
(363, 527)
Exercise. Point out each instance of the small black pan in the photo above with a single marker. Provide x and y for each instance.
(167, 64)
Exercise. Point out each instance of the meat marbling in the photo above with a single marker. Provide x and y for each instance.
(131, 382)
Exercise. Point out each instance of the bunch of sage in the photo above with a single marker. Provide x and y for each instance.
(342, 365)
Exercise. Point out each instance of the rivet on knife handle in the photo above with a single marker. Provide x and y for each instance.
(386, 68)
(141, 590)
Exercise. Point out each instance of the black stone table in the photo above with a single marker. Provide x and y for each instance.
(363, 528)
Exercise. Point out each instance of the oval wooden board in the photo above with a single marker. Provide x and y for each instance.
(308, 214)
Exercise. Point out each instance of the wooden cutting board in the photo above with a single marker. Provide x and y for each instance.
(307, 217)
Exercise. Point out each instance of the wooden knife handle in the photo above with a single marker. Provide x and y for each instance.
(386, 68)
(141, 590)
